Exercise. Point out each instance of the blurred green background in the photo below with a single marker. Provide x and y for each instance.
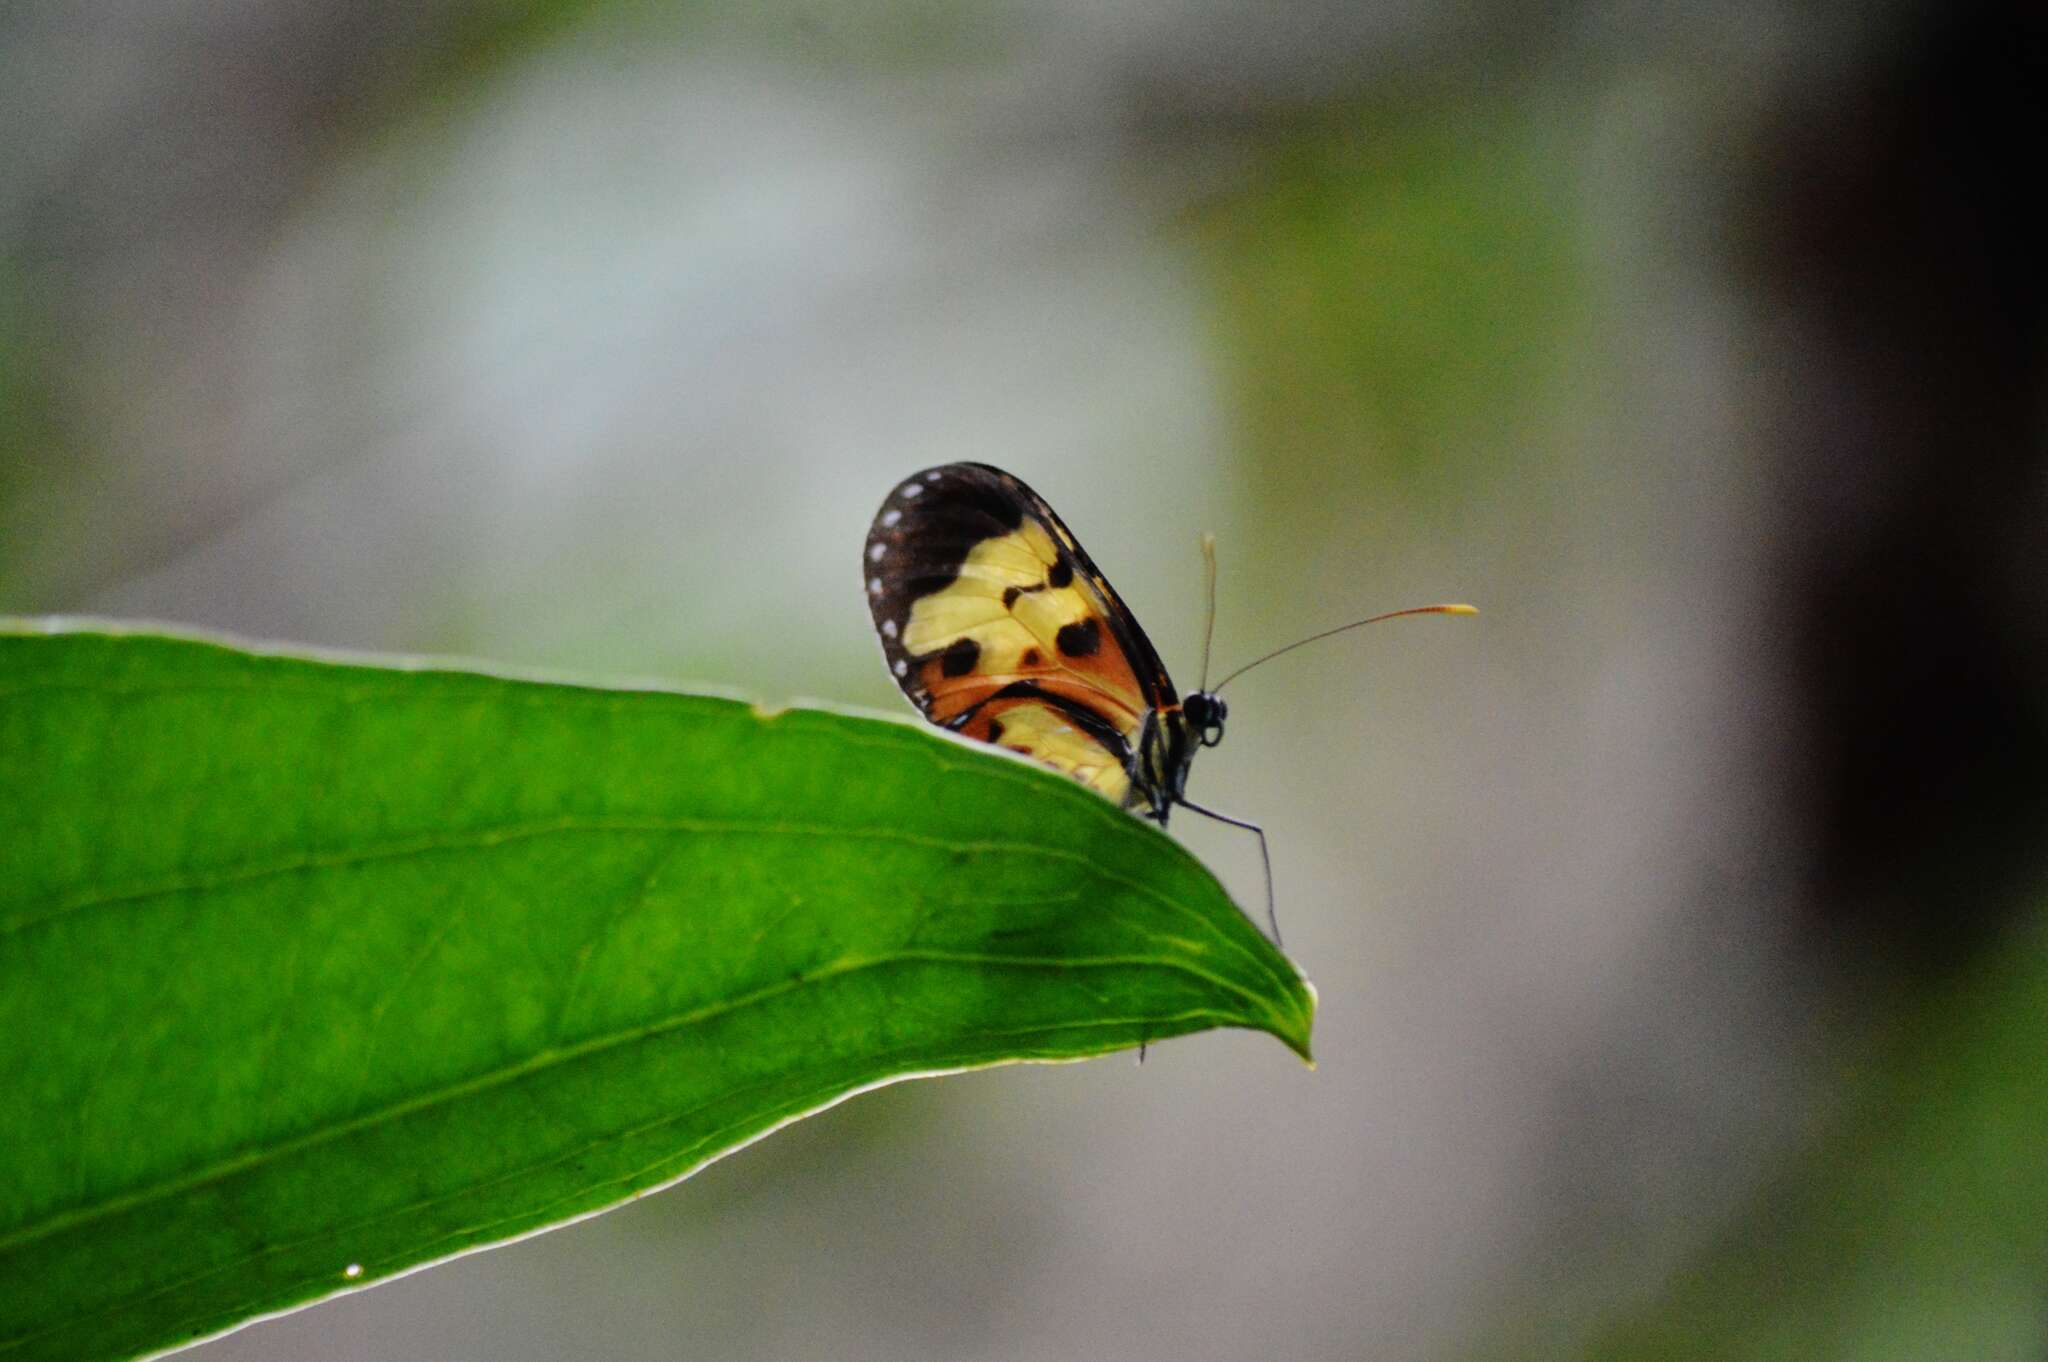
(1679, 922)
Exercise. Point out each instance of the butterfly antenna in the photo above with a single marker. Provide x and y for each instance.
(1209, 619)
(1355, 624)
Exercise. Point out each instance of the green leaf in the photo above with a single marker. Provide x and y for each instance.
(312, 972)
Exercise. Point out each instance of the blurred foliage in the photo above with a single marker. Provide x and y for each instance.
(1914, 1225)
(915, 36)
(1396, 287)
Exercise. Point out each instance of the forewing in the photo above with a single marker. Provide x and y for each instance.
(997, 624)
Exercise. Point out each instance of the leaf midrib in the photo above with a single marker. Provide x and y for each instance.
(58, 908)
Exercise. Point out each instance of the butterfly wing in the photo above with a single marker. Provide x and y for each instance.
(997, 624)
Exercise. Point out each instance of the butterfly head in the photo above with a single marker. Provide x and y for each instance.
(1205, 713)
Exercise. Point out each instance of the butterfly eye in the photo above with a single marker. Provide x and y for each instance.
(1206, 712)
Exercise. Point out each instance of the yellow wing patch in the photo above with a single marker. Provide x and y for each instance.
(1047, 734)
(973, 606)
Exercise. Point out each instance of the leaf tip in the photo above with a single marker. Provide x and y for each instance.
(1293, 1025)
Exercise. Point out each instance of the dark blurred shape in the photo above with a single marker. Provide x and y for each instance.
(135, 215)
(1905, 234)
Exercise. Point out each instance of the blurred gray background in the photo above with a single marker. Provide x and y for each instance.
(1678, 922)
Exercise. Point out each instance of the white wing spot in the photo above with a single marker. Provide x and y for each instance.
(888, 628)
(876, 550)
(874, 586)
(909, 489)
(901, 666)
(352, 1271)
(931, 477)
(889, 518)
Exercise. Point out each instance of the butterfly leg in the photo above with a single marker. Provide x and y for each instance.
(1265, 858)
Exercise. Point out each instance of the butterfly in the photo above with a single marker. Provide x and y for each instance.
(998, 626)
